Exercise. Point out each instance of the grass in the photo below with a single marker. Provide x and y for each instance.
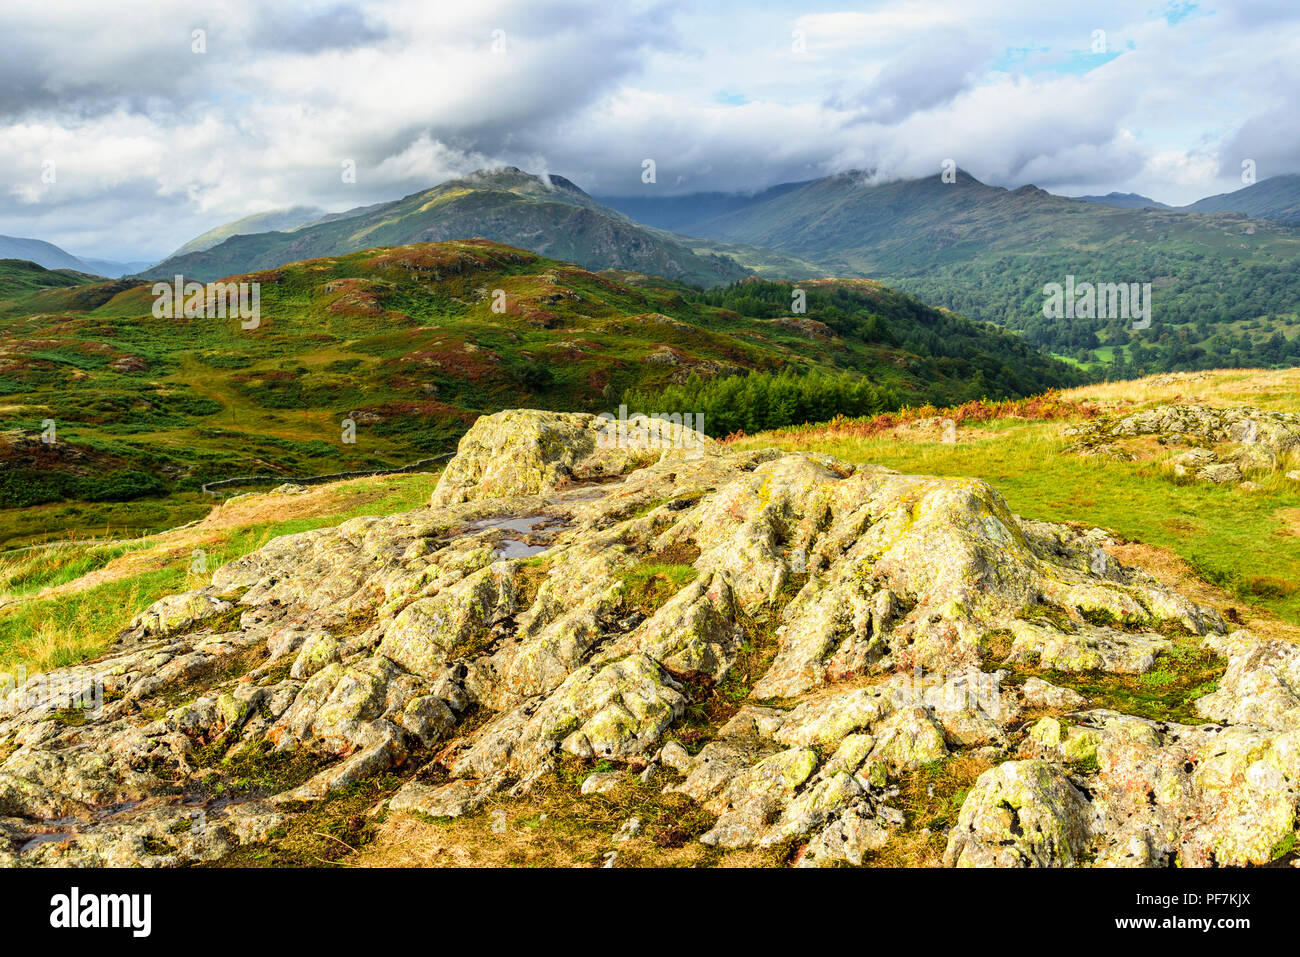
(325, 832)
(930, 797)
(649, 585)
(1168, 692)
(47, 622)
(400, 340)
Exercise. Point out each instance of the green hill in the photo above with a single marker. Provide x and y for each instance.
(1124, 200)
(405, 343)
(284, 220)
(549, 216)
(1223, 285)
(19, 277)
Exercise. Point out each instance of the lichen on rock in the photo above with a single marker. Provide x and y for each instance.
(824, 631)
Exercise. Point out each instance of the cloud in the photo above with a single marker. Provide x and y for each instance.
(154, 143)
(924, 76)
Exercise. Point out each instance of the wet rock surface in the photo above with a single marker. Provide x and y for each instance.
(912, 622)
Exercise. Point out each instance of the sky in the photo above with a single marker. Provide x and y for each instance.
(127, 129)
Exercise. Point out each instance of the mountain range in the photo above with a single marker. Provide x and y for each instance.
(1225, 271)
(1276, 198)
(1125, 201)
(1225, 286)
(52, 257)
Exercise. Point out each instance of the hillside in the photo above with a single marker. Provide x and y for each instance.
(1124, 201)
(404, 342)
(276, 220)
(551, 217)
(1276, 198)
(1225, 288)
(20, 277)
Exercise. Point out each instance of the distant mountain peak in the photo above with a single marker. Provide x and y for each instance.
(1276, 198)
(514, 176)
(52, 257)
(1122, 200)
(545, 213)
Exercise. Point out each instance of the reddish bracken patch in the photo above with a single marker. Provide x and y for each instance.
(456, 359)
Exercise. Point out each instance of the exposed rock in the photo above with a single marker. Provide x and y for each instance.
(1040, 694)
(1230, 444)
(676, 757)
(524, 452)
(365, 649)
(1261, 686)
(1020, 814)
(628, 830)
(602, 782)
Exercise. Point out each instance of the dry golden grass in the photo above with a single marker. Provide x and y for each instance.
(168, 548)
(1276, 389)
(930, 798)
(64, 604)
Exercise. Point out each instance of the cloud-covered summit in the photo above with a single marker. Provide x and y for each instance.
(126, 131)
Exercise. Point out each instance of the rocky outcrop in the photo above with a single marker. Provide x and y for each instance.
(1225, 445)
(525, 452)
(565, 600)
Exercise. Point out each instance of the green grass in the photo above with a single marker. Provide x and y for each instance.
(66, 629)
(648, 586)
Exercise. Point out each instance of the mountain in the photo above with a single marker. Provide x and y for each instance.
(284, 220)
(680, 213)
(1124, 201)
(547, 215)
(1224, 288)
(1276, 198)
(52, 257)
(405, 342)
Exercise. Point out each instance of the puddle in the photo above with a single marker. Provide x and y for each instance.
(518, 545)
(61, 828)
(517, 548)
(525, 524)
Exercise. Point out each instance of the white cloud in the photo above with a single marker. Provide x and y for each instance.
(154, 143)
